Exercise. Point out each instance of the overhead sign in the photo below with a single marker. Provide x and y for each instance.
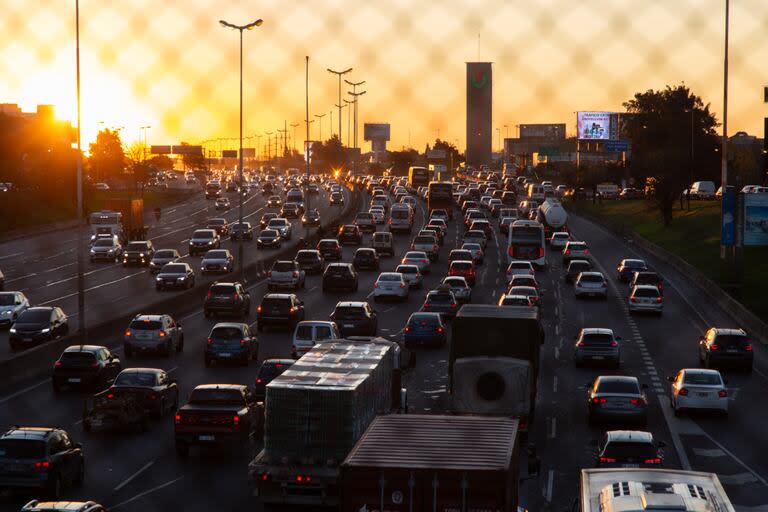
(593, 125)
(755, 219)
(160, 150)
(229, 153)
(551, 131)
(376, 131)
(613, 146)
(183, 149)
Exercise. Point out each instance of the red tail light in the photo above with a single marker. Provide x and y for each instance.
(376, 285)
(402, 285)
(237, 296)
(510, 252)
(607, 459)
(408, 328)
(683, 392)
(580, 344)
(127, 333)
(110, 396)
(655, 460)
(177, 419)
(541, 252)
(162, 334)
(57, 364)
(258, 309)
(42, 464)
(632, 299)
(242, 343)
(658, 299)
(722, 393)
(152, 396)
(264, 477)
(295, 273)
(586, 252)
(258, 379)
(634, 401)
(597, 400)
(440, 329)
(292, 310)
(454, 305)
(567, 252)
(614, 343)
(714, 346)
(209, 340)
(426, 304)
(748, 347)
(235, 420)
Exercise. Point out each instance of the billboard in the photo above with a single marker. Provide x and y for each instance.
(728, 218)
(376, 131)
(479, 113)
(593, 125)
(755, 219)
(160, 150)
(550, 131)
(184, 149)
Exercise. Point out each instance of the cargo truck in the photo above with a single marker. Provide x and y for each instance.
(316, 411)
(440, 197)
(552, 216)
(493, 364)
(123, 218)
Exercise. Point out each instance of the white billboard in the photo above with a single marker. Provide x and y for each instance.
(593, 125)
(755, 219)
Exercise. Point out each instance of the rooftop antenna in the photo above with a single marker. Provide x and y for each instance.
(478, 47)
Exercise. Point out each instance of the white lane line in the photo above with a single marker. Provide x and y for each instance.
(11, 255)
(133, 476)
(673, 432)
(102, 285)
(550, 485)
(557, 353)
(553, 431)
(22, 391)
(554, 384)
(704, 452)
(142, 494)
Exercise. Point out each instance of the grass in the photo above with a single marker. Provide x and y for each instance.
(694, 236)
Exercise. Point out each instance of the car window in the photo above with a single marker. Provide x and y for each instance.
(618, 386)
(350, 311)
(439, 298)
(136, 379)
(216, 254)
(708, 379)
(461, 265)
(227, 333)
(731, 340)
(646, 292)
(216, 396)
(283, 266)
(596, 338)
(304, 332)
(34, 316)
(21, 449)
(622, 450)
(590, 278)
(165, 253)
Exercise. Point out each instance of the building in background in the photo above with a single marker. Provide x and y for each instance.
(378, 134)
(479, 113)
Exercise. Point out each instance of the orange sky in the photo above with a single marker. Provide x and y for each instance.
(168, 64)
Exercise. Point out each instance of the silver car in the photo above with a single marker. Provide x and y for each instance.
(575, 251)
(390, 284)
(285, 274)
(12, 304)
(106, 249)
(475, 236)
(597, 346)
(217, 261)
(477, 252)
(698, 388)
(161, 258)
(411, 274)
(590, 284)
(418, 258)
(283, 226)
(645, 298)
(155, 333)
(460, 288)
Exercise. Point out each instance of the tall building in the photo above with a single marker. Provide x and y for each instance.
(479, 113)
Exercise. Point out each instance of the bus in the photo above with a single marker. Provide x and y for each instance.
(418, 177)
(526, 243)
(440, 196)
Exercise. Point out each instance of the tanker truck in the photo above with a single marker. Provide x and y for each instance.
(552, 216)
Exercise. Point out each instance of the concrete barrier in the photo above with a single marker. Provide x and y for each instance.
(37, 362)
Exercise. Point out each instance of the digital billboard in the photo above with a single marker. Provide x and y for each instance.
(593, 125)
(376, 131)
(755, 219)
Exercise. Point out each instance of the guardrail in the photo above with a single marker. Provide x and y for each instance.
(37, 362)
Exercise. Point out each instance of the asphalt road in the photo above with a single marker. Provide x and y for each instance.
(142, 472)
(44, 267)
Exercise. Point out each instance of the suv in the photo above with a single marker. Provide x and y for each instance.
(364, 221)
(645, 298)
(365, 258)
(590, 284)
(106, 249)
(217, 261)
(269, 370)
(241, 230)
(285, 274)
(202, 240)
(726, 347)
(575, 251)
(279, 309)
(628, 449)
(340, 276)
(350, 233)
(139, 253)
(231, 342)
(329, 248)
(160, 333)
(227, 297)
(283, 226)
(43, 458)
(309, 260)
(597, 345)
(12, 304)
(220, 224)
(648, 278)
(85, 365)
(355, 319)
(382, 243)
(310, 332)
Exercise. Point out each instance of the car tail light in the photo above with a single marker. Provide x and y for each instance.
(376, 285)
(258, 379)
(303, 478)
(258, 309)
(295, 273)
(210, 340)
(111, 396)
(43, 464)
(580, 344)
(614, 343)
(634, 401)
(714, 346)
(567, 252)
(607, 459)
(57, 364)
(242, 343)
(440, 329)
(659, 299)
(152, 396)
(425, 261)
(177, 419)
(586, 252)
(597, 400)
(655, 460)
(402, 285)
(454, 306)
(292, 310)
(510, 252)
(264, 477)
(426, 304)
(408, 328)
(632, 299)
(748, 347)
(127, 333)
(683, 392)
(235, 419)
(162, 334)
(723, 393)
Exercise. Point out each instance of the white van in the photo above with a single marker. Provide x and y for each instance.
(702, 190)
(308, 333)
(401, 218)
(536, 192)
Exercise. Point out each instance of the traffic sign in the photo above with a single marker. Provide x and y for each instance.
(612, 146)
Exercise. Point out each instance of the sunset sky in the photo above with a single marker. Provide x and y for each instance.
(168, 64)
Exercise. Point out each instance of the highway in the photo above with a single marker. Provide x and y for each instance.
(142, 472)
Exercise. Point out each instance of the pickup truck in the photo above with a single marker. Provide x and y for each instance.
(217, 414)
(428, 244)
(285, 274)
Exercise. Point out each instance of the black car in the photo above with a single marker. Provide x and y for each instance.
(355, 319)
(175, 275)
(270, 369)
(365, 259)
(241, 230)
(152, 387)
(726, 348)
(85, 365)
(311, 218)
(330, 249)
(350, 233)
(336, 199)
(340, 276)
(37, 325)
(40, 458)
(227, 297)
(289, 211)
(279, 309)
(309, 260)
(266, 218)
(576, 267)
(649, 278)
(269, 238)
(138, 253)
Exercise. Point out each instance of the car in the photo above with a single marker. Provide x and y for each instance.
(696, 388)
(40, 459)
(269, 370)
(227, 297)
(37, 325)
(476, 250)
(627, 267)
(439, 214)
(516, 300)
(274, 202)
(220, 224)
(460, 288)
(505, 223)
(559, 239)
(475, 237)
(106, 249)
(2, 281)
(152, 387)
(590, 284)
(574, 250)
(383, 243)
(726, 348)
(311, 218)
(511, 213)
(280, 309)
(140, 253)
(101, 186)
(175, 275)
(484, 226)
(617, 398)
(364, 221)
(290, 211)
(471, 216)
(597, 345)
(241, 231)
(340, 276)
(519, 268)
(377, 214)
(495, 205)
(269, 238)
(202, 240)
(336, 199)
(217, 261)
(161, 258)
(428, 244)
(365, 259)
(441, 301)
(265, 218)
(153, 333)
(645, 298)
(460, 255)
(285, 274)
(350, 234)
(424, 329)
(355, 318)
(309, 261)
(523, 280)
(648, 278)
(418, 258)
(90, 366)
(439, 222)
(330, 249)
(229, 341)
(310, 332)
(390, 284)
(63, 506)
(529, 291)
(12, 304)
(465, 269)
(282, 226)
(628, 449)
(222, 203)
(411, 275)
(576, 267)
(434, 230)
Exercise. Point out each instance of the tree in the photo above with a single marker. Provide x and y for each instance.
(161, 162)
(329, 154)
(664, 126)
(402, 160)
(193, 161)
(452, 153)
(107, 159)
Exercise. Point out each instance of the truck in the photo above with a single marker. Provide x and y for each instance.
(552, 216)
(652, 489)
(123, 218)
(440, 197)
(411, 463)
(314, 414)
(493, 363)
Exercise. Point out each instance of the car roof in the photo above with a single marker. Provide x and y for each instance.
(350, 304)
(425, 314)
(221, 386)
(597, 274)
(59, 506)
(618, 378)
(33, 433)
(420, 254)
(286, 362)
(40, 308)
(729, 331)
(580, 262)
(274, 296)
(225, 283)
(632, 260)
(84, 348)
(316, 322)
(596, 330)
(142, 370)
(700, 371)
(328, 240)
(629, 436)
(643, 287)
(364, 249)
(446, 279)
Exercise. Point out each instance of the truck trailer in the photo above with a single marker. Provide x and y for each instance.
(123, 218)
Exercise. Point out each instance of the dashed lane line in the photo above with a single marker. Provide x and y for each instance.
(133, 476)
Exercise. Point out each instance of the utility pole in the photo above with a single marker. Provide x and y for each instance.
(349, 119)
(294, 125)
(357, 100)
(340, 74)
(320, 124)
(269, 147)
(308, 148)
(724, 149)
(81, 324)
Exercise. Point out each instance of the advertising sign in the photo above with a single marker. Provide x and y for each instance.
(756, 219)
(593, 125)
(183, 149)
(309, 152)
(550, 131)
(436, 154)
(613, 146)
(376, 131)
(728, 233)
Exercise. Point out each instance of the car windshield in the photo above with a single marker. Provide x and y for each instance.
(455, 282)
(439, 298)
(514, 301)
(578, 266)
(520, 265)
(349, 312)
(145, 325)
(363, 216)
(646, 292)
(174, 269)
(164, 254)
(137, 246)
(731, 340)
(634, 264)
(278, 223)
(283, 266)
(381, 237)
(269, 233)
(461, 265)
(21, 449)
(6, 299)
(627, 387)
(269, 370)
(413, 255)
(390, 277)
(104, 243)
(304, 332)
(80, 357)
(217, 222)
(135, 379)
(597, 338)
(227, 333)
(307, 256)
(203, 234)
(591, 278)
(577, 246)
(461, 255)
(216, 396)
(34, 316)
(216, 255)
(424, 319)
(705, 379)
(237, 225)
(623, 450)
(407, 269)
(219, 289)
(328, 244)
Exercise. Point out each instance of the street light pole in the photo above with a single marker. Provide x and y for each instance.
(82, 326)
(320, 124)
(339, 73)
(294, 125)
(308, 147)
(724, 143)
(349, 119)
(240, 28)
(356, 95)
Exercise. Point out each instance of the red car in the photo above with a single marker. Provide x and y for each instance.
(465, 269)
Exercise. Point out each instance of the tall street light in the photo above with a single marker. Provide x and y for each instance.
(308, 151)
(724, 143)
(339, 105)
(240, 28)
(356, 95)
(144, 148)
(320, 125)
(349, 104)
(294, 125)
(82, 326)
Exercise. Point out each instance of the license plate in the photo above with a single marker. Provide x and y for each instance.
(27, 339)
(96, 423)
(731, 350)
(702, 395)
(207, 438)
(630, 465)
(73, 379)
(349, 326)
(225, 354)
(169, 281)
(598, 358)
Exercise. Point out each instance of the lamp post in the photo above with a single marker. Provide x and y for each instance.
(724, 142)
(320, 125)
(308, 148)
(144, 148)
(339, 105)
(82, 326)
(294, 125)
(241, 28)
(349, 104)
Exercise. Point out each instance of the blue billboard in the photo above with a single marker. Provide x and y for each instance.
(756, 219)
(728, 233)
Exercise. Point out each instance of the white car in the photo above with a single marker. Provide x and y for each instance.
(310, 332)
(478, 256)
(590, 284)
(283, 226)
(411, 274)
(390, 284)
(378, 214)
(645, 298)
(12, 304)
(460, 288)
(520, 268)
(695, 388)
(418, 258)
(559, 239)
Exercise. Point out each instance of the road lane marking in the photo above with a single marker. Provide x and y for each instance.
(705, 452)
(550, 485)
(672, 424)
(553, 430)
(554, 384)
(22, 391)
(133, 476)
(142, 494)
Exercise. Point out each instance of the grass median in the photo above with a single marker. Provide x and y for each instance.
(695, 237)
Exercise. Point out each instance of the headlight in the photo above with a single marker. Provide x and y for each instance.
(158, 278)
(111, 251)
(47, 329)
(141, 255)
(182, 278)
(93, 251)
(12, 331)
(6, 313)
